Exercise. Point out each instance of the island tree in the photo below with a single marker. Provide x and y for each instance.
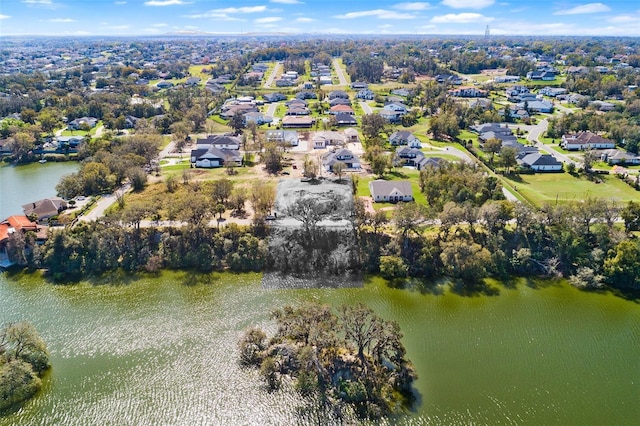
(353, 361)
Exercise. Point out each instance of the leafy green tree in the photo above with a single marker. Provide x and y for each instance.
(373, 125)
(237, 122)
(588, 159)
(272, 158)
(631, 216)
(21, 145)
(493, 146)
(221, 190)
(393, 267)
(622, 265)
(508, 158)
(338, 169)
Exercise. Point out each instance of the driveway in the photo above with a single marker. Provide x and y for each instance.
(340, 73)
(103, 204)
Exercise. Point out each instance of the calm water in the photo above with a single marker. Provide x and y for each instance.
(22, 184)
(163, 351)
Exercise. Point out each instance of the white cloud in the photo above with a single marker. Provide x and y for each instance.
(116, 27)
(120, 2)
(286, 1)
(4, 17)
(45, 4)
(304, 19)
(624, 19)
(165, 2)
(380, 13)
(268, 19)
(460, 18)
(246, 9)
(412, 6)
(61, 20)
(160, 25)
(585, 8)
(468, 4)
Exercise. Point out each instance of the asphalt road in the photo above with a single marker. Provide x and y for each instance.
(272, 76)
(340, 73)
(366, 108)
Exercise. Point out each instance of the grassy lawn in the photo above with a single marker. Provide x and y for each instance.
(196, 71)
(563, 187)
(400, 173)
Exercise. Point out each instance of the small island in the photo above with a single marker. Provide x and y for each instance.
(352, 363)
(23, 360)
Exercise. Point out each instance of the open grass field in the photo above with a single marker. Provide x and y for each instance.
(544, 188)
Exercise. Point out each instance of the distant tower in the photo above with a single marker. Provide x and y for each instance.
(487, 33)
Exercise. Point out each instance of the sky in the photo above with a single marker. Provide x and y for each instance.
(463, 17)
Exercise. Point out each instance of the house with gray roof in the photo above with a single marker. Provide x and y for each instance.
(539, 162)
(404, 137)
(213, 157)
(340, 155)
(390, 191)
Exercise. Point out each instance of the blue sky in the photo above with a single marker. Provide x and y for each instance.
(155, 17)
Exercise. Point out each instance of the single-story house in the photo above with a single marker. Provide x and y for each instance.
(274, 97)
(340, 155)
(214, 157)
(287, 137)
(79, 122)
(257, 117)
(305, 94)
(345, 120)
(296, 103)
(365, 94)
(339, 101)
(323, 139)
(164, 84)
(219, 141)
(540, 162)
(537, 106)
(338, 94)
(341, 109)
(585, 140)
(295, 110)
(396, 106)
(297, 121)
(468, 92)
(359, 85)
(403, 137)
(352, 135)
(45, 208)
(401, 92)
(616, 156)
(391, 190)
(391, 116)
(603, 106)
(552, 91)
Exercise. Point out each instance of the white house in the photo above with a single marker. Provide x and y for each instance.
(391, 190)
(540, 162)
(585, 140)
(214, 157)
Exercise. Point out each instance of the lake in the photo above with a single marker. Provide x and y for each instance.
(162, 350)
(30, 182)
